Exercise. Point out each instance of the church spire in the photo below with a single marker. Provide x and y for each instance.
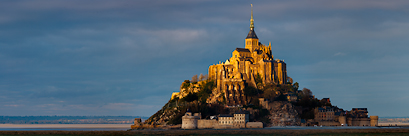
(252, 34)
(251, 20)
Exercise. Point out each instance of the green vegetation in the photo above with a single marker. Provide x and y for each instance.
(205, 90)
(185, 84)
(196, 101)
(251, 91)
(259, 80)
(190, 97)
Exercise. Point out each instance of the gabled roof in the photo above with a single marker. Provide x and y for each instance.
(242, 50)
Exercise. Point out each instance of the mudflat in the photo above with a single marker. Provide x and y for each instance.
(369, 131)
(65, 126)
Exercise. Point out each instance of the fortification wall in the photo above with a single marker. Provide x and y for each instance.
(189, 122)
(359, 122)
(254, 125)
(204, 123)
(329, 123)
(342, 120)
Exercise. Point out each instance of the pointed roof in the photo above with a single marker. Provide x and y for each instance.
(252, 34)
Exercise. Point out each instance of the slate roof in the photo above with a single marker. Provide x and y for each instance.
(252, 34)
(242, 50)
(225, 115)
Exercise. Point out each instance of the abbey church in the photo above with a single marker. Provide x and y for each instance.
(246, 64)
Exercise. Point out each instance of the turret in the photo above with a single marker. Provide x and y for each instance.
(374, 121)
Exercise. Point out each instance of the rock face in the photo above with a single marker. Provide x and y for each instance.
(186, 88)
(282, 113)
(163, 116)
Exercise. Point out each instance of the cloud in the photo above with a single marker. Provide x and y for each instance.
(87, 57)
(13, 105)
(339, 54)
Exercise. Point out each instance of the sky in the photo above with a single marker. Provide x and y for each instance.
(101, 57)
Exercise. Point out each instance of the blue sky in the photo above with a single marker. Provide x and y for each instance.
(127, 57)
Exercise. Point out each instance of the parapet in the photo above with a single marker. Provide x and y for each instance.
(374, 117)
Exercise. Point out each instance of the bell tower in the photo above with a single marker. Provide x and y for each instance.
(251, 41)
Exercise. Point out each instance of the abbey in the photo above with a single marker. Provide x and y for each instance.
(245, 66)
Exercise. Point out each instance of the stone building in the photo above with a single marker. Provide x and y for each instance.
(189, 120)
(247, 64)
(225, 121)
(374, 121)
(240, 119)
(324, 113)
(137, 123)
(329, 116)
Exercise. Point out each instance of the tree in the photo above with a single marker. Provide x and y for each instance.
(290, 80)
(296, 86)
(194, 79)
(306, 92)
(269, 91)
(250, 91)
(281, 97)
(258, 79)
(201, 77)
(185, 84)
(190, 97)
(205, 90)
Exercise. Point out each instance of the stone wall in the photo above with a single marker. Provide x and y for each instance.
(204, 123)
(254, 125)
(329, 123)
(358, 122)
(225, 127)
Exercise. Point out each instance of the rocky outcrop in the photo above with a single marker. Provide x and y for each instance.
(216, 97)
(283, 113)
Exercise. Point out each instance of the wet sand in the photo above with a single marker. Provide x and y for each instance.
(368, 131)
(393, 124)
(32, 126)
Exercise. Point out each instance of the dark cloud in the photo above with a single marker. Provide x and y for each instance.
(116, 57)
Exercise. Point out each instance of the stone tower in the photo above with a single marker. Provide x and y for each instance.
(374, 120)
(189, 120)
(247, 64)
(251, 41)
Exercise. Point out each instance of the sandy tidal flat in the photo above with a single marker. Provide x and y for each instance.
(114, 126)
(393, 124)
